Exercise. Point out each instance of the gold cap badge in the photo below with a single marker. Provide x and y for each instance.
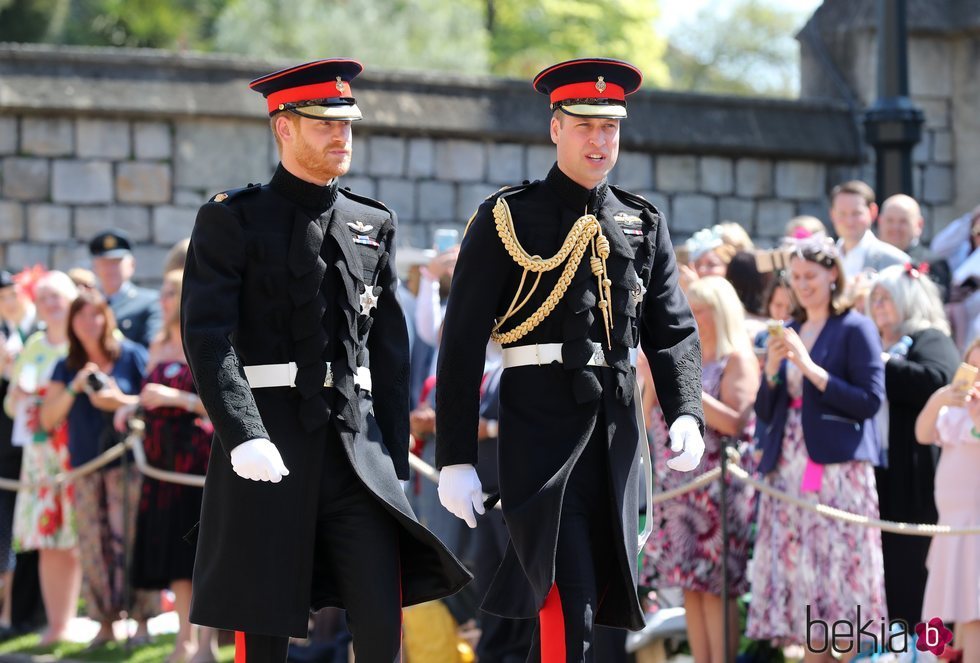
(600, 85)
(109, 243)
(340, 84)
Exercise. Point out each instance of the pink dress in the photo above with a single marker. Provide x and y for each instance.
(953, 587)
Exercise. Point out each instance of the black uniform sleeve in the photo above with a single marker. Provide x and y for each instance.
(478, 281)
(209, 318)
(388, 347)
(668, 334)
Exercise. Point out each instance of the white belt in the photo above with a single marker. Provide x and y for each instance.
(542, 354)
(260, 376)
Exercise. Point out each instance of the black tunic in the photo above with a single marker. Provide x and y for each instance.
(274, 274)
(549, 413)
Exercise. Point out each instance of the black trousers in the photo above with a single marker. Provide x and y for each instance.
(566, 625)
(356, 548)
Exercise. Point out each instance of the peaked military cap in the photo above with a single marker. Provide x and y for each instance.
(319, 89)
(589, 87)
(111, 243)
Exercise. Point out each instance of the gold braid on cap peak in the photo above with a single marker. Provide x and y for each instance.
(585, 232)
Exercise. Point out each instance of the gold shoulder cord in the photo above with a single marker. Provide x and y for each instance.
(585, 233)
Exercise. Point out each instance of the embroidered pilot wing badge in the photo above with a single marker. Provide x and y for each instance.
(359, 227)
(630, 224)
(369, 301)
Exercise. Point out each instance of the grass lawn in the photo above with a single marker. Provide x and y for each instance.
(156, 652)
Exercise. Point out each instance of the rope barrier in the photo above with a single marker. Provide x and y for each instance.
(134, 441)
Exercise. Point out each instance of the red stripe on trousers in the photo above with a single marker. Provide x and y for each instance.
(552, 628)
(240, 647)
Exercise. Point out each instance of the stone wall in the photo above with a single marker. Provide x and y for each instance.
(839, 60)
(91, 139)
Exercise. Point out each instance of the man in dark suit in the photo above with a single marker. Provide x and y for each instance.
(900, 223)
(137, 310)
(299, 351)
(569, 439)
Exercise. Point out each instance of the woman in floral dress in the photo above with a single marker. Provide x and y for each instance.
(686, 548)
(44, 518)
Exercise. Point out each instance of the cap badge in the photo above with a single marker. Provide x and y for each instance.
(600, 85)
(221, 197)
(359, 227)
(109, 243)
(340, 84)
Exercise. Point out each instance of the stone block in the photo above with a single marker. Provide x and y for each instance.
(48, 223)
(470, 197)
(717, 175)
(25, 178)
(930, 66)
(816, 208)
(68, 256)
(772, 217)
(540, 159)
(8, 135)
(189, 198)
(11, 221)
(658, 200)
(633, 171)
(421, 158)
(152, 140)
(149, 262)
(506, 164)
(739, 210)
(399, 195)
(27, 254)
(692, 213)
(81, 181)
(215, 155)
(753, 178)
(937, 184)
(386, 156)
(106, 139)
(800, 180)
(172, 224)
(143, 182)
(358, 160)
(436, 202)
(46, 137)
(936, 112)
(921, 152)
(90, 221)
(943, 149)
(361, 185)
(460, 161)
(677, 173)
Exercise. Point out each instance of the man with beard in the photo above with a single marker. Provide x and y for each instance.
(569, 435)
(299, 351)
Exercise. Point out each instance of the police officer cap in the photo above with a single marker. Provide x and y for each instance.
(319, 90)
(589, 87)
(111, 243)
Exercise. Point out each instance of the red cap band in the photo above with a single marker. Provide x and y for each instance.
(588, 90)
(327, 90)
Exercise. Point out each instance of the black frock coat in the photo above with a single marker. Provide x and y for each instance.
(907, 485)
(549, 413)
(274, 274)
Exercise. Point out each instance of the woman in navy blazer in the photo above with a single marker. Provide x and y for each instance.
(823, 385)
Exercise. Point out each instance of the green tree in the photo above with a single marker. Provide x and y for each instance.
(747, 50)
(388, 34)
(526, 37)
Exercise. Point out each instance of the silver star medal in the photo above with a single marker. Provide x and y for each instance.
(368, 301)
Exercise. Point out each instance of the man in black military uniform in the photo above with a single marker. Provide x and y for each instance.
(570, 322)
(299, 351)
(137, 310)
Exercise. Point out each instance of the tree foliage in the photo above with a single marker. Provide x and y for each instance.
(526, 37)
(748, 49)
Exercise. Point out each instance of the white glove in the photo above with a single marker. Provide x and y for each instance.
(685, 437)
(258, 460)
(460, 492)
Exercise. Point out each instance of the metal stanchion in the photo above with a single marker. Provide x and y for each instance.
(723, 516)
(126, 506)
